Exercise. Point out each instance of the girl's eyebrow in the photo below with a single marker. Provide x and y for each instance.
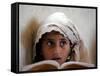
(51, 39)
(63, 39)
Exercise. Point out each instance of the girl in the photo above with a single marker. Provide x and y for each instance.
(58, 39)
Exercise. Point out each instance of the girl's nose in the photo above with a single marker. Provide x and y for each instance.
(57, 49)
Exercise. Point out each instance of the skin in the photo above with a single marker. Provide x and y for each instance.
(55, 47)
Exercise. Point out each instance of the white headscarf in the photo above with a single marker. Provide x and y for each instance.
(59, 22)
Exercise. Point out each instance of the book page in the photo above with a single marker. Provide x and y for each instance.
(42, 66)
(73, 65)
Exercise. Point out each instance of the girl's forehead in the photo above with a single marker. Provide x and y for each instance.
(53, 35)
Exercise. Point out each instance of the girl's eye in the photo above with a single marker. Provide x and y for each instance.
(63, 43)
(49, 43)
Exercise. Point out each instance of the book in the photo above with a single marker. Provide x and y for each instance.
(47, 65)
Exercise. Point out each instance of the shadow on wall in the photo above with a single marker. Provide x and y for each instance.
(27, 40)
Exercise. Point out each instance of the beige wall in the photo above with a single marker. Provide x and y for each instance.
(83, 18)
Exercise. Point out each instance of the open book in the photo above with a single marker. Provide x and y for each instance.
(52, 65)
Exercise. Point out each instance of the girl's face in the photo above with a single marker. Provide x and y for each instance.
(55, 47)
